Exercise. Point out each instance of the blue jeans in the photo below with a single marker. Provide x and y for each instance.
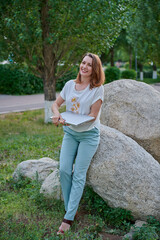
(78, 147)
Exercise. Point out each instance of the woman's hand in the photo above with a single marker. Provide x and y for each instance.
(57, 119)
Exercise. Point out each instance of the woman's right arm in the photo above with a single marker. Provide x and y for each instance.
(55, 109)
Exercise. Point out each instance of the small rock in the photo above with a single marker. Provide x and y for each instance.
(138, 223)
(40, 168)
(51, 187)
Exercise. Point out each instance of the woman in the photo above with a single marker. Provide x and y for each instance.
(83, 96)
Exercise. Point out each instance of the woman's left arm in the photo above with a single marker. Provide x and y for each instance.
(95, 109)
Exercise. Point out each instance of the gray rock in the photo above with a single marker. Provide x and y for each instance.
(128, 236)
(133, 108)
(35, 168)
(125, 175)
(139, 224)
(51, 187)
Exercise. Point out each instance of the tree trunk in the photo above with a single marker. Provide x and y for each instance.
(141, 71)
(112, 56)
(49, 63)
(130, 58)
(50, 96)
(141, 76)
(154, 76)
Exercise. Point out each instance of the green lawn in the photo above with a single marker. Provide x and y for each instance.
(150, 80)
(24, 213)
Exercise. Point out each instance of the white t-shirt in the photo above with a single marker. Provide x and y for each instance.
(81, 102)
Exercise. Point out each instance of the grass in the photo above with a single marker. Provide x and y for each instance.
(150, 80)
(25, 136)
(24, 212)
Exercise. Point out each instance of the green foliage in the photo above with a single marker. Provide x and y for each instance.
(111, 74)
(117, 217)
(154, 222)
(122, 47)
(25, 136)
(16, 81)
(26, 218)
(128, 74)
(146, 74)
(24, 212)
(71, 74)
(143, 31)
(149, 231)
(146, 232)
(150, 80)
(126, 65)
(32, 189)
(50, 36)
(20, 182)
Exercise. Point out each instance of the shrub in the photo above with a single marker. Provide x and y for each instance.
(126, 66)
(111, 74)
(146, 74)
(154, 222)
(117, 217)
(146, 232)
(129, 74)
(18, 81)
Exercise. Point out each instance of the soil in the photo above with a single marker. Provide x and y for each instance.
(82, 221)
(107, 236)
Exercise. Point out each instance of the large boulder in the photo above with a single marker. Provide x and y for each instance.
(35, 168)
(51, 187)
(125, 175)
(133, 108)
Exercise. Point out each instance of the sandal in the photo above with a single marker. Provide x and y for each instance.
(60, 231)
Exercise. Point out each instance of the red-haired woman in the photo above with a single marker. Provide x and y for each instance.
(82, 96)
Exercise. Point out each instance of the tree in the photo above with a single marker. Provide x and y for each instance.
(121, 49)
(51, 35)
(123, 45)
(144, 32)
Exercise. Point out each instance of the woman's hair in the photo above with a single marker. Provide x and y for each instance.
(98, 76)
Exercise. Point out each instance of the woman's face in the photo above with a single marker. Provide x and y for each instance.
(86, 67)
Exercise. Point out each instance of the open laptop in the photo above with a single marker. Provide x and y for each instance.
(75, 119)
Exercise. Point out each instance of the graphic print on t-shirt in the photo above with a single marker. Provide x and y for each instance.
(75, 105)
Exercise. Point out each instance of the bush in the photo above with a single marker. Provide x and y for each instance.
(128, 74)
(152, 221)
(18, 82)
(117, 217)
(111, 74)
(146, 232)
(146, 74)
(126, 66)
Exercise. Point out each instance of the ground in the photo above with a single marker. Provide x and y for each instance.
(82, 222)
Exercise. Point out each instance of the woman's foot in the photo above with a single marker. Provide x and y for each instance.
(65, 226)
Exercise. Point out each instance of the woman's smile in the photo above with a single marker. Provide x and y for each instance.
(83, 70)
(86, 67)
